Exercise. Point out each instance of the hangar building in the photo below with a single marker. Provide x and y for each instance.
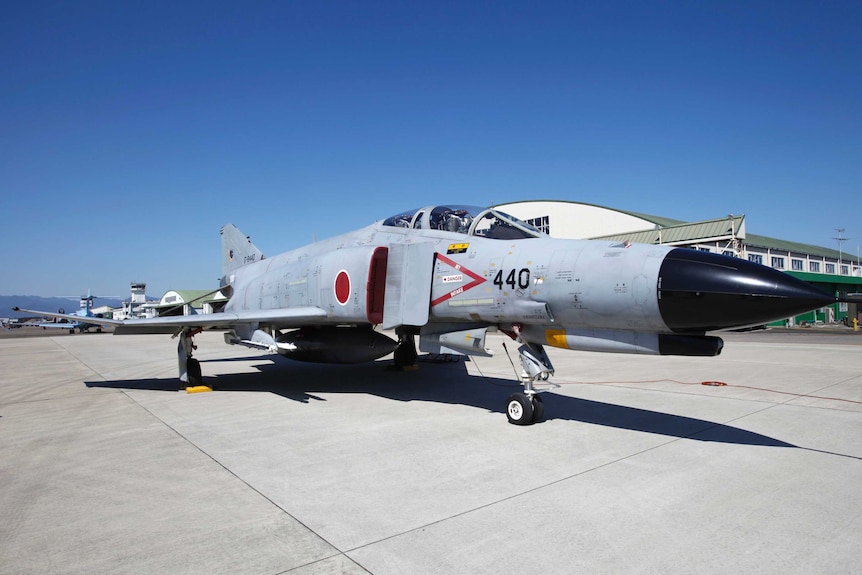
(189, 302)
(833, 271)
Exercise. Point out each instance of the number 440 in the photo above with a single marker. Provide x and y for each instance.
(515, 278)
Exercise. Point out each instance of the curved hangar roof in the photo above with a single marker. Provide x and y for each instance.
(567, 219)
(577, 220)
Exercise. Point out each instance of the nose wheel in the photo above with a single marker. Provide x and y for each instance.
(524, 410)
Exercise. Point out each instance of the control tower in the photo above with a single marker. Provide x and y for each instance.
(139, 293)
(134, 307)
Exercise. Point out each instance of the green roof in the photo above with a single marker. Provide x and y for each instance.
(796, 247)
(826, 278)
(753, 239)
(691, 231)
(657, 220)
(682, 232)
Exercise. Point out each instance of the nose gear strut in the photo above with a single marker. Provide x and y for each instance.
(527, 408)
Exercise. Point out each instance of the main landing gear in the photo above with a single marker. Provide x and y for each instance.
(190, 368)
(527, 407)
(405, 354)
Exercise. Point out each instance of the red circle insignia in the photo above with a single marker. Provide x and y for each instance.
(342, 287)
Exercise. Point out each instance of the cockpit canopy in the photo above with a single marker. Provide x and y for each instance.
(467, 220)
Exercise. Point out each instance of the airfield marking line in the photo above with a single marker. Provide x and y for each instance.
(527, 491)
(774, 405)
(339, 552)
(584, 472)
(76, 357)
(795, 395)
(125, 392)
(56, 397)
(52, 398)
(304, 565)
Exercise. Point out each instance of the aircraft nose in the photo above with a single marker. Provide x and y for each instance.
(702, 291)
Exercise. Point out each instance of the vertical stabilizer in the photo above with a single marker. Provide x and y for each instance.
(236, 251)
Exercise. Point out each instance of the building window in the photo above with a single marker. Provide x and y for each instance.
(830, 268)
(796, 265)
(778, 263)
(756, 258)
(814, 267)
(702, 249)
(845, 270)
(542, 224)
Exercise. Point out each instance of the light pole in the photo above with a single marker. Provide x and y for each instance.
(840, 241)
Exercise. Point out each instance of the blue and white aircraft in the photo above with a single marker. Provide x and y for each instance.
(75, 320)
(450, 274)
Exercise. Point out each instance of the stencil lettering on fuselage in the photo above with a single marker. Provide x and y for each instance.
(457, 269)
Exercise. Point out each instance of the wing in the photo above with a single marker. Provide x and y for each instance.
(288, 317)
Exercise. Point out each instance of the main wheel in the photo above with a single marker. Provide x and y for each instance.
(193, 368)
(538, 408)
(519, 409)
(405, 354)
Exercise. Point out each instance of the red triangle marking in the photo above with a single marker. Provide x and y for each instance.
(477, 279)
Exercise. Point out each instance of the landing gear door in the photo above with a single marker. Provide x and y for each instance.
(409, 271)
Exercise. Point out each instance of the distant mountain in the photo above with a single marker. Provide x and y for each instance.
(7, 302)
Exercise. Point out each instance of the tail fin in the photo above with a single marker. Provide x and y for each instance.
(236, 251)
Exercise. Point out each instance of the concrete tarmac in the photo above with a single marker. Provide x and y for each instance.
(306, 469)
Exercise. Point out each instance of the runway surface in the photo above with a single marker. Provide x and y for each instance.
(305, 469)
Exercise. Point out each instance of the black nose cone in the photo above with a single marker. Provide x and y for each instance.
(702, 291)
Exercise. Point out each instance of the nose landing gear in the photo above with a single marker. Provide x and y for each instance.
(527, 407)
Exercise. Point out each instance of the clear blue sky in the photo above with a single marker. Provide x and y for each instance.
(131, 131)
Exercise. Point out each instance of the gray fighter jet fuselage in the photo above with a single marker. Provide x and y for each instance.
(449, 274)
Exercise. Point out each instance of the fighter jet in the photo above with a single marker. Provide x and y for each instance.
(451, 274)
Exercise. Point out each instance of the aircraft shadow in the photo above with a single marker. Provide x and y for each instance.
(445, 382)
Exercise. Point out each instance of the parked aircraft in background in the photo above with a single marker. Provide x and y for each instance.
(450, 274)
(10, 323)
(75, 320)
